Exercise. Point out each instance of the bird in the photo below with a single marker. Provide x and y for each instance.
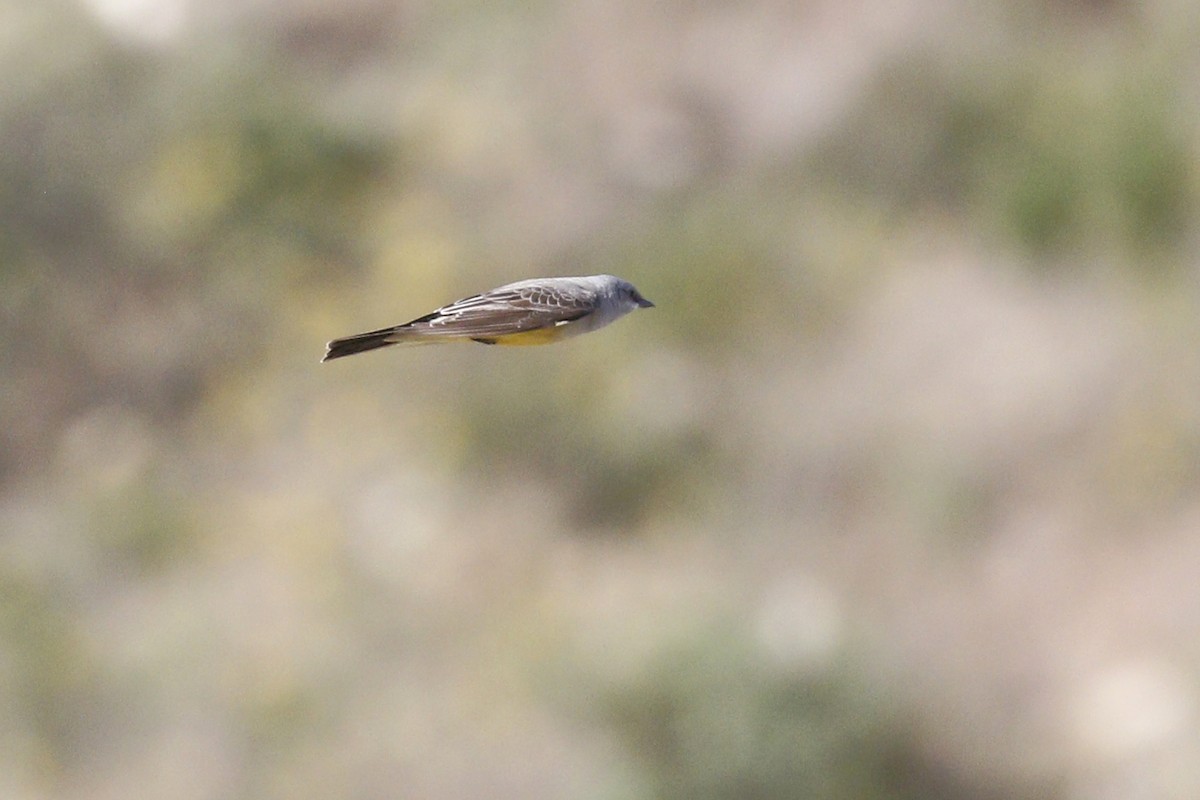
(528, 312)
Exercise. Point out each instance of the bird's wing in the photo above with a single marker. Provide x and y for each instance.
(505, 310)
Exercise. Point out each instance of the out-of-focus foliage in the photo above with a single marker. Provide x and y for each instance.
(894, 495)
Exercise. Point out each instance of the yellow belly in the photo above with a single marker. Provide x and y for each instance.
(539, 336)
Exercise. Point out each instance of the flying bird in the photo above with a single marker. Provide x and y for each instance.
(535, 311)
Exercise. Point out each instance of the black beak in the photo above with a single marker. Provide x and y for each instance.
(644, 303)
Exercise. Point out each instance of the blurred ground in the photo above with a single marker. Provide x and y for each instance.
(895, 495)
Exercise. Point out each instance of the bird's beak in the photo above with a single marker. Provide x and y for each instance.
(644, 303)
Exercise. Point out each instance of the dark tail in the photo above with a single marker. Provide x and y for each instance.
(359, 343)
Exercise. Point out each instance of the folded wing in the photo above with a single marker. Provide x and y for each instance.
(500, 312)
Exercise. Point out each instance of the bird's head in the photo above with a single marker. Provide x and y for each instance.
(629, 297)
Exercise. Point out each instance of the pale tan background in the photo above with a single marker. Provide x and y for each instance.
(895, 495)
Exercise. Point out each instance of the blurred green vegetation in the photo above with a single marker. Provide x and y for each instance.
(892, 496)
(1066, 157)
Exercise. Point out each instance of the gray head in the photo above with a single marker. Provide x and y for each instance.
(627, 297)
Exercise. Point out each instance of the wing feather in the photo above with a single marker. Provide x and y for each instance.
(510, 309)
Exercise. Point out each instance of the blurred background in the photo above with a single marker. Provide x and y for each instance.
(896, 494)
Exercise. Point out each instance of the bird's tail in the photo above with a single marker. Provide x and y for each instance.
(362, 342)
